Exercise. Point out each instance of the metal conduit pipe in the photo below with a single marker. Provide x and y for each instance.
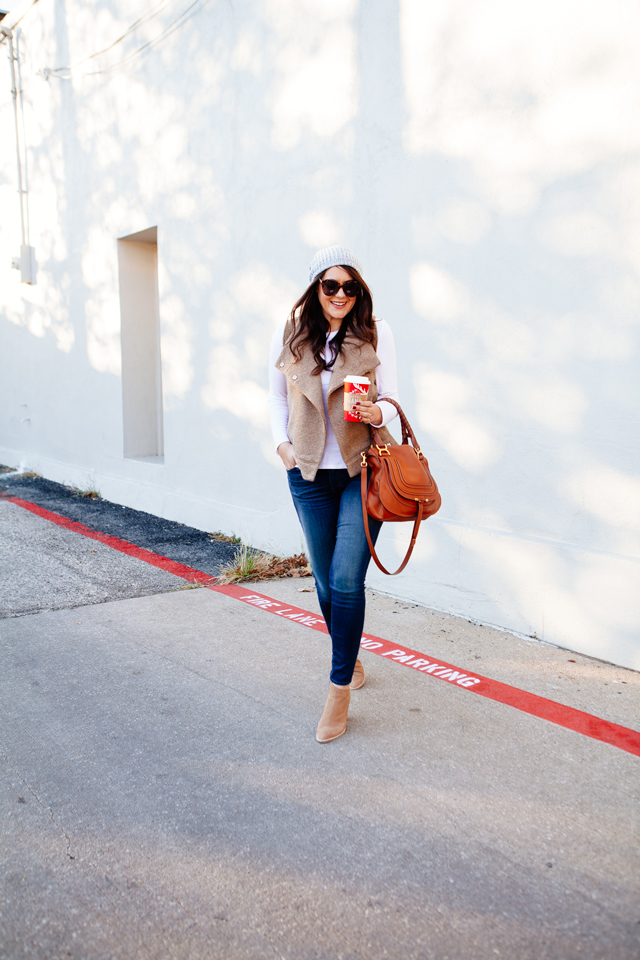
(26, 263)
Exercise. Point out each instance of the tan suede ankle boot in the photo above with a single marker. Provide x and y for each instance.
(357, 680)
(333, 721)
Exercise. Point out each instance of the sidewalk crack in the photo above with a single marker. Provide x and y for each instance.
(42, 806)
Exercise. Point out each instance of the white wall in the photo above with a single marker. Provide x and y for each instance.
(482, 158)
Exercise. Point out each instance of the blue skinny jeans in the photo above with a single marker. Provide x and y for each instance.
(330, 512)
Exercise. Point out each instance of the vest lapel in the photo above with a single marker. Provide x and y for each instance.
(306, 382)
(298, 372)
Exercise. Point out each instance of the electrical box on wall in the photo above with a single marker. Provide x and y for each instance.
(26, 264)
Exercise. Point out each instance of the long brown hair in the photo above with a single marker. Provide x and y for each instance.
(310, 323)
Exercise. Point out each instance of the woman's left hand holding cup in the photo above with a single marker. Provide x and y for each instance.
(368, 412)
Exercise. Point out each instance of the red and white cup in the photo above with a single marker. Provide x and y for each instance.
(355, 388)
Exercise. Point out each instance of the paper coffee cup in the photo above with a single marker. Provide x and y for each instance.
(355, 388)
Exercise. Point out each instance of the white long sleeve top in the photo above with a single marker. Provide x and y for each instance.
(386, 380)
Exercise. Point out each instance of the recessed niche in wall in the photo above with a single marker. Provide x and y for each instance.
(140, 339)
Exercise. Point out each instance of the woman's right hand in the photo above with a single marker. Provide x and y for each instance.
(287, 455)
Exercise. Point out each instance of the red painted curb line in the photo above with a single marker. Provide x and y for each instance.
(585, 723)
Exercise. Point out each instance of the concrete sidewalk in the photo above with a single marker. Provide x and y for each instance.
(163, 794)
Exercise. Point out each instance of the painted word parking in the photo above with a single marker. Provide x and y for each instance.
(424, 666)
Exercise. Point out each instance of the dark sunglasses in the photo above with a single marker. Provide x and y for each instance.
(330, 288)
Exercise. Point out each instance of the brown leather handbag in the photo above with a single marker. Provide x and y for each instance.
(401, 487)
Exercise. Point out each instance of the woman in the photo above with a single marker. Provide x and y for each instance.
(332, 334)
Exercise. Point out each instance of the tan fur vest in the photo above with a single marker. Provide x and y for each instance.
(307, 426)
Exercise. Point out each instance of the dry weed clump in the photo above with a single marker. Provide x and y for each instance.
(249, 565)
(89, 493)
(219, 537)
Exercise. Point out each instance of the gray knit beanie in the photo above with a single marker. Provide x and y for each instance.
(333, 257)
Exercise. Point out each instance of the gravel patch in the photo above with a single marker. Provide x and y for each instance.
(195, 548)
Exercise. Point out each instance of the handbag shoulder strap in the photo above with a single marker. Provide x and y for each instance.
(407, 434)
(365, 517)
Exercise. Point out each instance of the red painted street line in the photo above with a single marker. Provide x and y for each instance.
(558, 713)
(584, 723)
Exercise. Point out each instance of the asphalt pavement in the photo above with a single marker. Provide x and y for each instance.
(196, 548)
(163, 795)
